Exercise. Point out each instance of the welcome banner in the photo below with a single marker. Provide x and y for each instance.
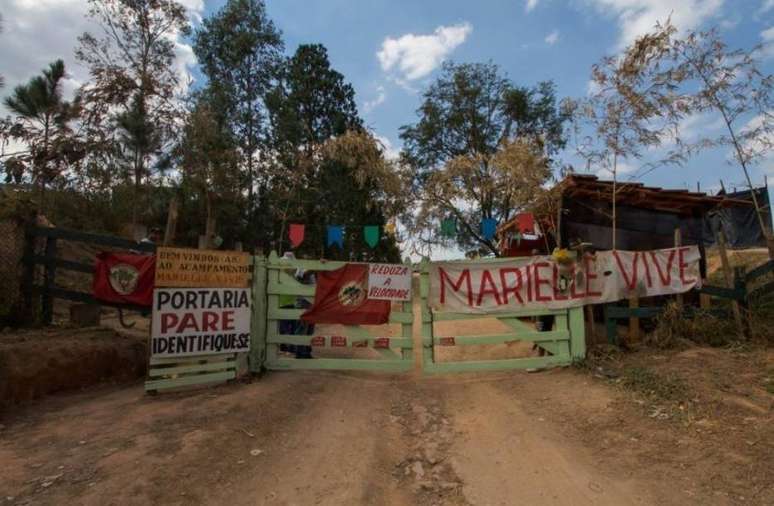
(541, 283)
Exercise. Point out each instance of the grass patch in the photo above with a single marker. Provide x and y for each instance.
(668, 387)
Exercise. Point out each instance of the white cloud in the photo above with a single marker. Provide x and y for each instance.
(37, 32)
(390, 151)
(767, 49)
(370, 105)
(415, 56)
(766, 6)
(636, 17)
(531, 4)
(552, 38)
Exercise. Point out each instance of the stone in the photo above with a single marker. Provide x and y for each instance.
(418, 469)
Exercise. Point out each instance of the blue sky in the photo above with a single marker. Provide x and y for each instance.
(391, 49)
(530, 40)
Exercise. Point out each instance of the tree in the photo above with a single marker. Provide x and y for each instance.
(633, 106)
(209, 160)
(42, 122)
(328, 169)
(239, 50)
(482, 148)
(732, 84)
(134, 80)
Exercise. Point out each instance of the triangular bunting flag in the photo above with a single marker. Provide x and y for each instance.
(526, 222)
(371, 234)
(296, 234)
(448, 227)
(335, 235)
(488, 228)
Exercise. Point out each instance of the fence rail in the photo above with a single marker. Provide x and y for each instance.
(52, 263)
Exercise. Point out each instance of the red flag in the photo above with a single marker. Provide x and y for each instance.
(526, 222)
(124, 278)
(296, 234)
(341, 297)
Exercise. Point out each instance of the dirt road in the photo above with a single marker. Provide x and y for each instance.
(323, 438)
(557, 437)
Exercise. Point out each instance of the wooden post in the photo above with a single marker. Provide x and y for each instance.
(47, 299)
(634, 321)
(729, 279)
(678, 243)
(28, 281)
(590, 327)
(257, 354)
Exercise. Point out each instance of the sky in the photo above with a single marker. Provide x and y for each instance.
(390, 50)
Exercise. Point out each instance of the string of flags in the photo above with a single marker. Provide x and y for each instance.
(371, 233)
(335, 234)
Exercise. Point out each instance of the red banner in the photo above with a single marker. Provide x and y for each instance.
(341, 296)
(124, 278)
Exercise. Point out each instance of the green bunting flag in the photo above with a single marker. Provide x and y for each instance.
(448, 227)
(371, 234)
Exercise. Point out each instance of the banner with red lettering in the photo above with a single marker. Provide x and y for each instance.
(200, 321)
(540, 282)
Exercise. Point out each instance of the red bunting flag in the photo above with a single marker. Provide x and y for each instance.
(341, 297)
(296, 234)
(526, 223)
(124, 278)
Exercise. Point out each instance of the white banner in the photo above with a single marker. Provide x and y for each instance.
(200, 321)
(389, 282)
(540, 282)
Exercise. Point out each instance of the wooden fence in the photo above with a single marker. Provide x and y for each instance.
(52, 263)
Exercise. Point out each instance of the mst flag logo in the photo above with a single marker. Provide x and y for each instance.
(341, 297)
(123, 278)
(352, 294)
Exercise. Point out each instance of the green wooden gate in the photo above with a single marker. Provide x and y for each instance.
(272, 279)
(564, 343)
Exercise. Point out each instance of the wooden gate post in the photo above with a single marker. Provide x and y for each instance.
(258, 325)
(729, 281)
(47, 299)
(577, 334)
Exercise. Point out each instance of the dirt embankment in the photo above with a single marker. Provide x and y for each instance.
(38, 362)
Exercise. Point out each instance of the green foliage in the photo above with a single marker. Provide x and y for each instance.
(329, 170)
(239, 50)
(482, 148)
(42, 120)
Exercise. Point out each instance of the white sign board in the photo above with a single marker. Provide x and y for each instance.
(200, 321)
(389, 282)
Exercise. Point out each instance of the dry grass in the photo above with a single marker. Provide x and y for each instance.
(675, 330)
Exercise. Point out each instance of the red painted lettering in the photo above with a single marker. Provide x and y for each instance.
(515, 289)
(666, 275)
(228, 320)
(168, 320)
(631, 282)
(486, 279)
(541, 281)
(464, 277)
(209, 321)
(188, 321)
(590, 275)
